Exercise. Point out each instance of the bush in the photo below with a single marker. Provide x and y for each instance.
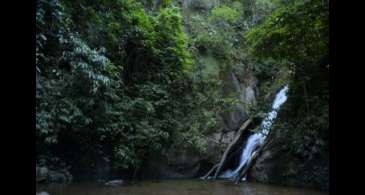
(224, 14)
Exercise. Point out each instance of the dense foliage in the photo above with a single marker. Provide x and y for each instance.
(120, 80)
(298, 35)
(113, 80)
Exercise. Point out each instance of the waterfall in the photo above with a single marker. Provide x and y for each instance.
(258, 139)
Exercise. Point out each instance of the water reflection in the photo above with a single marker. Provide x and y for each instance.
(177, 187)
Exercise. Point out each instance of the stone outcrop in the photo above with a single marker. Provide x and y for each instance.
(45, 174)
(279, 166)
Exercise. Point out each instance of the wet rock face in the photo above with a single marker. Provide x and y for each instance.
(244, 87)
(216, 144)
(261, 169)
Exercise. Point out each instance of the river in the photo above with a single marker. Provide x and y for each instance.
(177, 187)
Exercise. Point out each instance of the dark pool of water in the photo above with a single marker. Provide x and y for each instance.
(177, 187)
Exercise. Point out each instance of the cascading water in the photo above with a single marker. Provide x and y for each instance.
(258, 139)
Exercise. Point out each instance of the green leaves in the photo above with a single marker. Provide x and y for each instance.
(113, 75)
(298, 32)
(225, 14)
(290, 47)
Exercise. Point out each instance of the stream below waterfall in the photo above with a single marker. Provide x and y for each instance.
(177, 187)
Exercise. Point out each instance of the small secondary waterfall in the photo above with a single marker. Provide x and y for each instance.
(258, 139)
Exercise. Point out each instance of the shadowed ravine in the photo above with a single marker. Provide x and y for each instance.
(177, 187)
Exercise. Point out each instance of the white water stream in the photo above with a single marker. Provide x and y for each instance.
(257, 139)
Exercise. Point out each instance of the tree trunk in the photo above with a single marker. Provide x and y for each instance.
(229, 148)
(210, 172)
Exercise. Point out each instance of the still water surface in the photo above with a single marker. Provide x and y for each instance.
(177, 187)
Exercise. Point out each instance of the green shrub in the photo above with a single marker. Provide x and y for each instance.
(224, 14)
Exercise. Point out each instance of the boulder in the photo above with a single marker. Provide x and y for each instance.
(59, 176)
(42, 193)
(41, 174)
(116, 182)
